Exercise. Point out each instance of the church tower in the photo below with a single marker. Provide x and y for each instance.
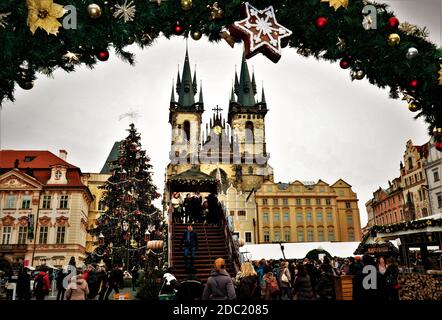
(185, 117)
(246, 117)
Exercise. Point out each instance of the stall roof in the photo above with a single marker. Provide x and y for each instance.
(296, 250)
(193, 180)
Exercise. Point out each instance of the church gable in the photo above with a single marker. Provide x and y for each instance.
(15, 179)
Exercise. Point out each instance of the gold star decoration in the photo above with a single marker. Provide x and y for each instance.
(3, 17)
(72, 58)
(408, 98)
(340, 44)
(337, 3)
(44, 14)
(440, 75)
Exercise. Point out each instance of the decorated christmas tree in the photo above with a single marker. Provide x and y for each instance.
(130, 219)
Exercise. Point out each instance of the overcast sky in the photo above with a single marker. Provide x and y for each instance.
(320, 124)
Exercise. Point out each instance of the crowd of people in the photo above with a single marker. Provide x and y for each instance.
(308, 279)
(192, 208)
(94, 282)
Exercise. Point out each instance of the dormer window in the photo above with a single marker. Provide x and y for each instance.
(58, 174)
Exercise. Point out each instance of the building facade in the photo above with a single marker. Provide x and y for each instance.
(414, 182)
(307, 212)
(241, 208)
(44, 204)
(94, 182)
(433, 170)
(388, 204)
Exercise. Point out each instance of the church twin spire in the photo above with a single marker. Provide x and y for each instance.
(243, 92)
(186, 87)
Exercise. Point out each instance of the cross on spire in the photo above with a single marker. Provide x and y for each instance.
(217, 109)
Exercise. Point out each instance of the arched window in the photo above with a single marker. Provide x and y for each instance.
(186, 129)
(250, 134)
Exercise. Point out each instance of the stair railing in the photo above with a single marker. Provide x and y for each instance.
(207, 243)
(230, 244)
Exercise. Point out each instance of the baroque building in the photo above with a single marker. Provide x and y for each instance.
(307, 212)
(44, 204)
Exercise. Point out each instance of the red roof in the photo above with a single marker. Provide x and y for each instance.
(423, 150)
(40, 163)
(30, 159)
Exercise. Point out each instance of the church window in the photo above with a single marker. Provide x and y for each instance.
(186, 129)
(249, 132)
(250, 170)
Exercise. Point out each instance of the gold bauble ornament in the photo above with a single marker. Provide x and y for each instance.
(414, 107)
(186, 5)
(130, 40)
(357, 74)
(94, 11)
(394, 39)
(196, 35)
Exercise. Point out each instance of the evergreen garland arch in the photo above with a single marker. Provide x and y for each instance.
(23, 54)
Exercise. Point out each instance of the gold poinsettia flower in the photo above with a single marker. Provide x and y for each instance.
(44, 14)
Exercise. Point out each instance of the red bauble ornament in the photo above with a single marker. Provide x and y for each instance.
(393, 22)
(414, 83)
(321, 22)
(133, 147)
(438, 146)
(178, 29)
(137, 212)
(344, 64)
(103, 55)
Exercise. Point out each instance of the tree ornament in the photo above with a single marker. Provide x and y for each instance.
(412, 30)
(341, 44)
(438, 146)
(94, 11)
(71, 58)
(437, 132)
(260, 31)
(125, 11)
(321, 22)
(26, 84)
(196, 35)
(344, 64)
(414, 107)
(394, 39)
(186, 5)
(393, 23)
(368, 23)
(216, 12)
(414, 83)
(412, 53)
(3, 17)
(357, 74)
(130, 40)
(178, 29)
(44, 14)
(103, 55)
(134, 147)
(337, 3)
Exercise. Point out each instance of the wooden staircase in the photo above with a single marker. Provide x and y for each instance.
(212, 244)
